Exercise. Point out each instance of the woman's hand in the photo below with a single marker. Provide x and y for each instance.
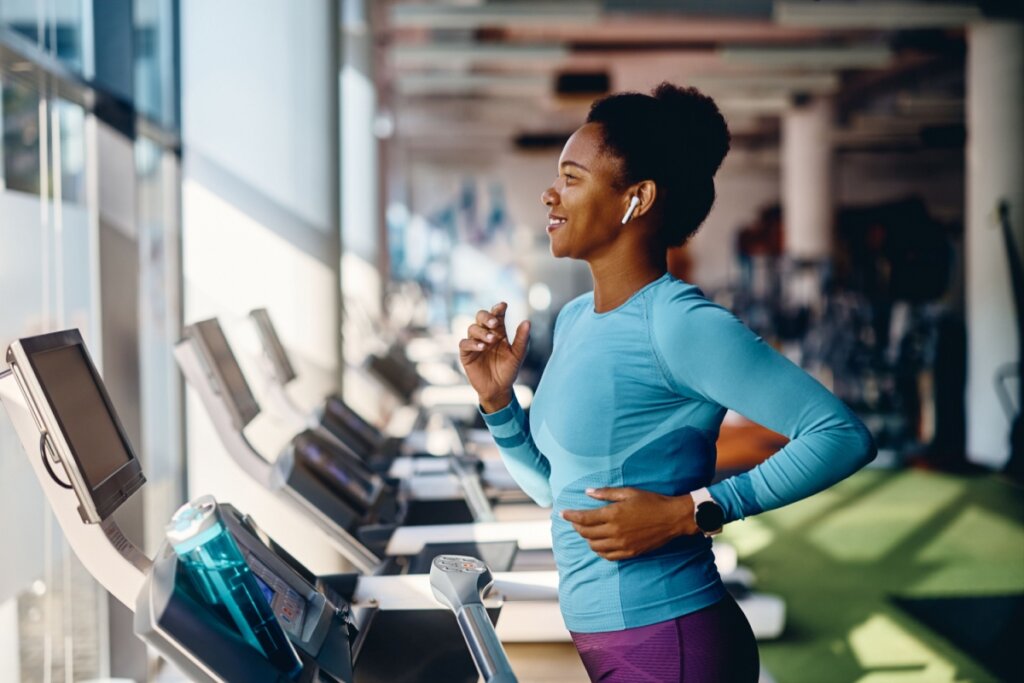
(634, 522)
(490, 361)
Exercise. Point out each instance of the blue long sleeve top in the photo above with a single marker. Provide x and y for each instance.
(635, 397)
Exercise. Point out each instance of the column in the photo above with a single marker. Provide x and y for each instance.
(807, 188)
(995, 172)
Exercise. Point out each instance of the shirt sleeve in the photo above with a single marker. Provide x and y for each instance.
(708, 354)
(510, 428)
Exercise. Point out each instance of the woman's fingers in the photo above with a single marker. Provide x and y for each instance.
(470, 349)
(487, 319)
(611, 549)
(596, 532)
(471, 346)
(493, 320)
(481, 333)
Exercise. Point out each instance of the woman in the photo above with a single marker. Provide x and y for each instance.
(621, 436)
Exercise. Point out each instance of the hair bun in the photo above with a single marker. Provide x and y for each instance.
(703, 133)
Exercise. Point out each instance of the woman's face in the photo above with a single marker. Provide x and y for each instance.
(585, 208)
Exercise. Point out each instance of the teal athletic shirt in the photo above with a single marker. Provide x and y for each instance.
(635, 397)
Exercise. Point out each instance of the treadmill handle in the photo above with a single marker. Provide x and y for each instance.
(457, 582)
(484, 645)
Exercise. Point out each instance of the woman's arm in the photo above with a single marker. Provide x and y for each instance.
(510, 428)
(491, 362)
(707, 352)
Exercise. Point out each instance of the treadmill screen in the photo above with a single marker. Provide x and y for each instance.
(268, 594)
(84, 415)
(289, 607)
(226, 368)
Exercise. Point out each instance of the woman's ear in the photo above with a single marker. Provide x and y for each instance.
(645, 192)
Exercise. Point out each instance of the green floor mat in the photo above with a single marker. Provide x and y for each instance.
(839, 558)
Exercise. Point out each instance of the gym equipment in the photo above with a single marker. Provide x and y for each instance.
(358, 510)
(383, 453)
(458, 582)
(62, 413)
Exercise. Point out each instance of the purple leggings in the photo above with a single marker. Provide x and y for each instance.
(712, 645)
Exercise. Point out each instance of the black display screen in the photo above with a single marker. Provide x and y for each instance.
(347, 476)
(227, 370)
(89, 427)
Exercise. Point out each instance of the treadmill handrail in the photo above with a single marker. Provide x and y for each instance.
(532, 535)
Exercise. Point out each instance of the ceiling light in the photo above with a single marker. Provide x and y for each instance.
(755, 84)
(449, 83)
(764, 104)
(809, 58)
(428, 15)
(475, 53)
(889, 14)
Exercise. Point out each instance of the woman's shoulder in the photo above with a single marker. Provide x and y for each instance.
(679, 295)
(679, 306)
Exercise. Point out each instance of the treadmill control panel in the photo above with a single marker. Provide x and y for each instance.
(459, 563)
(459, 580)
(289, 607)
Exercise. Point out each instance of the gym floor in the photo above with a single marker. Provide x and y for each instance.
(895, 576)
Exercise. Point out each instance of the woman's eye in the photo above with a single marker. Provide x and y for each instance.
(569, 176)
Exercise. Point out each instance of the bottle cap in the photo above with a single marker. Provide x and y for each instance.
(193, 524)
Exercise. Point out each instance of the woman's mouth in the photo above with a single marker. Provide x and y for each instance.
(555, 222)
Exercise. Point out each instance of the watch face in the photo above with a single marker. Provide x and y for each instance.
(709, 516)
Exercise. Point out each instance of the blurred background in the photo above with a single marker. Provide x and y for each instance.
(370, 172)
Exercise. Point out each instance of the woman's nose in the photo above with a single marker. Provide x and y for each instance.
(549, 197)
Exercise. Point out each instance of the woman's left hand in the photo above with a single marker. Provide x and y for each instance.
(635, 521)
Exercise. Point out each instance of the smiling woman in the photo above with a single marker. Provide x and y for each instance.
(620, 440)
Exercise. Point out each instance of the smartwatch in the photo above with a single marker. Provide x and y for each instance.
(707, 513)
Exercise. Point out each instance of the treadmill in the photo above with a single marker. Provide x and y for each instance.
(361, 513)
(340, 630)
(383, 453)
(210, 366)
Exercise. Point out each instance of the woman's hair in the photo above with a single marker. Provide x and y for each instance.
(675, 137)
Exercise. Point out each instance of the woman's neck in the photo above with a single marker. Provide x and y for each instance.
(617, 279)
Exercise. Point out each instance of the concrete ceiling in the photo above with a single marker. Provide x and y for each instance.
(475, 75)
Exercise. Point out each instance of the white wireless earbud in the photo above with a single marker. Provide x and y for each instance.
(633, 203)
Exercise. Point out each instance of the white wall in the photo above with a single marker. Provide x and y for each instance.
(257, 213)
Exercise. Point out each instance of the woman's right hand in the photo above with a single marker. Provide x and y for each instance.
(491, 362)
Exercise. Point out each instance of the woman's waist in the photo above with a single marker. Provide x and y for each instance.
(681, 567)
(573, 553)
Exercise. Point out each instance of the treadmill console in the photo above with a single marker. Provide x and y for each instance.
(289, 607)
(78, 424)
(223, 367)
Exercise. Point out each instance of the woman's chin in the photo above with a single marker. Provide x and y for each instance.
(558, 250)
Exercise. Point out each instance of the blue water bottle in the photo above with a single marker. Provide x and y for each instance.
(213, 561)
